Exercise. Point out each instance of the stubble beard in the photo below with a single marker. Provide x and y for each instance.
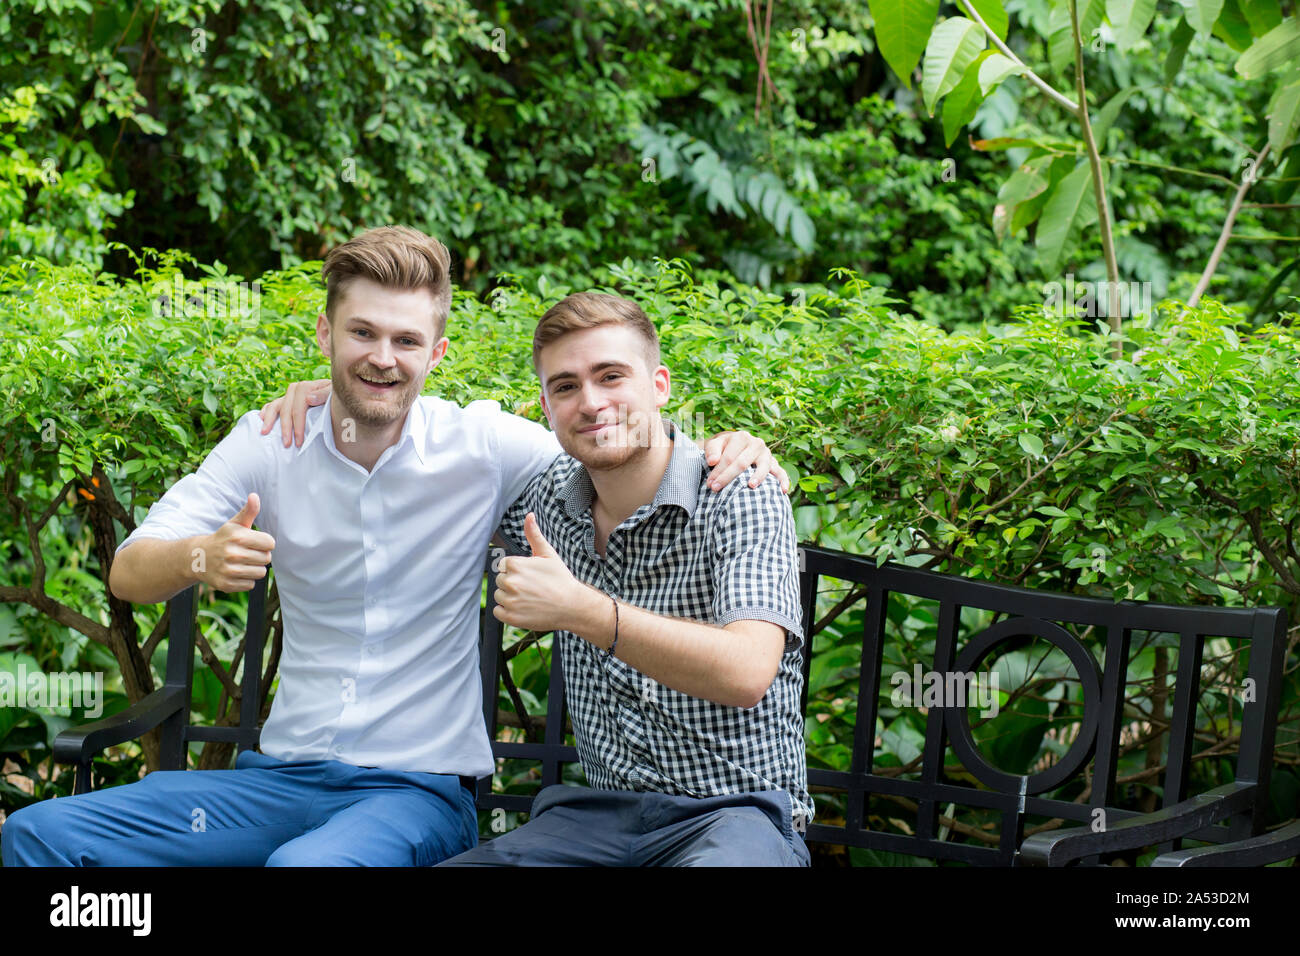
(629, 444)
(367, 409)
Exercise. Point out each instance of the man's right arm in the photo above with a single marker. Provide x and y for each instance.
(151, 570)
(230, 559)
(201, 529)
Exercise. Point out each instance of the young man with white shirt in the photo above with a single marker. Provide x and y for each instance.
(378, 525)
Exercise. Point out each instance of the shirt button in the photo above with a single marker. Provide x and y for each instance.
(372, 649)
(336, 751)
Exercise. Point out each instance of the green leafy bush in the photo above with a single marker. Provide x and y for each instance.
(1020, 453)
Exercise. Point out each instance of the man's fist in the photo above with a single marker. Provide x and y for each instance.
(539, 593)
(234, 557)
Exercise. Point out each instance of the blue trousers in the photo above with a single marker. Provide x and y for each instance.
(579, 826)
(264, 812)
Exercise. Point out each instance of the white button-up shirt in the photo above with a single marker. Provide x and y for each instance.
(378, 574)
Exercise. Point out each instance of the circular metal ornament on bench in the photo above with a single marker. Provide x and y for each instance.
(1085, 665)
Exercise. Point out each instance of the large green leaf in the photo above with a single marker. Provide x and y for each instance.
(1283, 118)
(1060, 39)
(995, 69)
(1130, 19)
(1201, 14)
(1232, 27)
(1064, 211)
(1178, 45)
(802, 230)
(902, 29)
(953, 47)
(1029, 181)
(1274, 49)
(1107, 115)
(1012, 740)
(993, 13)
(1270, 290)
(960, 106)
(1262, 15)
(1286, 187)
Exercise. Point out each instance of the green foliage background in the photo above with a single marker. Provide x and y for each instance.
(1019, 453)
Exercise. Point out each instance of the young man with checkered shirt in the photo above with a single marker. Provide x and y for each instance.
(676, 615)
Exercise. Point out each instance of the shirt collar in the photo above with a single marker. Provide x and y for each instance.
(416, 427)
(680, 485)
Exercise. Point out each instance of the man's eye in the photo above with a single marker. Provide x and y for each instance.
(408, 341)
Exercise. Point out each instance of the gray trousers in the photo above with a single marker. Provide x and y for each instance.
(578, 826)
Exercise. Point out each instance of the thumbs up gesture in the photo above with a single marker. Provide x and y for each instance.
(539, 593)
(234, 556)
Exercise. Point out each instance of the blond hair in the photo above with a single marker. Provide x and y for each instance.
(397, 257)
(587, 310)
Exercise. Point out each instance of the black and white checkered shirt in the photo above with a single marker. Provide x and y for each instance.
(710, 557)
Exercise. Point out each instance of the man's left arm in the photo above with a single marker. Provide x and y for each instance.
(756, 601)
(728, 453)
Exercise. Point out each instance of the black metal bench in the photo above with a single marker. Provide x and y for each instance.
(971, 619)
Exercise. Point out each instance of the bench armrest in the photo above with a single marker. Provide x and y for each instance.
(78, 744)
(1281, 844)
(1061, 847)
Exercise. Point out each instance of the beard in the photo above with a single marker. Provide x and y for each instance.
(372, 409)
(625, 443)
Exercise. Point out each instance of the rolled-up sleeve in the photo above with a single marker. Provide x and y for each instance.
(203, 501)
(756, 559)
(524, 451)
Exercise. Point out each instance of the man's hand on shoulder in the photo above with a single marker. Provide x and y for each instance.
(730, 453)
(296, 400)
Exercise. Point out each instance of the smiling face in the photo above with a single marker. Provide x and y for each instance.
(379, 335)
(600, 395)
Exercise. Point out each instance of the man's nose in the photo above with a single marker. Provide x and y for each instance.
(592, 399)
(381, 354)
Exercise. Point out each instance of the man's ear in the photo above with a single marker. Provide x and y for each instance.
(546, 408)
(439, 353)
(663, 385)
(323, 333)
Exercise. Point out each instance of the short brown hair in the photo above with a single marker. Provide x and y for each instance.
(398, 257)
(587, 310)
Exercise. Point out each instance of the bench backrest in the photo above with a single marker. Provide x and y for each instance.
(973, 618)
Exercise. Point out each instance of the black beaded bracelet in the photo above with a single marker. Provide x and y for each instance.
(615, 643)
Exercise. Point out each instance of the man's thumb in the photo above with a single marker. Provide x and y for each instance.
(248, 513)
(541, 548)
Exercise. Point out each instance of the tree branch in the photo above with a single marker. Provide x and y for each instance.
(1210, 267)
(1098, 187)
